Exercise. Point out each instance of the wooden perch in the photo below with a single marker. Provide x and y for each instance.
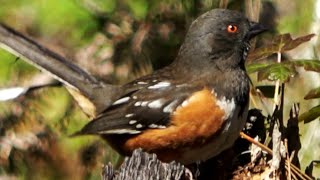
(146, 166)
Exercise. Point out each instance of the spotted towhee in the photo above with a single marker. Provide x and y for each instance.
(188, 111)
(194, 108)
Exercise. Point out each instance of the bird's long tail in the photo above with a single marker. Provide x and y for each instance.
(93, 95)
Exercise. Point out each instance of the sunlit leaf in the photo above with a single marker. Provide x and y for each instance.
(277, 71)
(313, 93)
(309, 65)
(280, 43)
(310, 115)
(139, 8)
(254, 67)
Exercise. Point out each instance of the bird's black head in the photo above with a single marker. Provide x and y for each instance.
(218, 35)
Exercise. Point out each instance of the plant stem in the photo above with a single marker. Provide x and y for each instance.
(277, 87)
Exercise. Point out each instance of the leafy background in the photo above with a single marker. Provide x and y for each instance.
(118, 41)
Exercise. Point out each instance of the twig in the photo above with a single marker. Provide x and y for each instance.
(298, 172)
(269, 151)
(292, 155)
(288, 158)
(250, 139)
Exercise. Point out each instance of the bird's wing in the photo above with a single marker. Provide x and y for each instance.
(148, 103)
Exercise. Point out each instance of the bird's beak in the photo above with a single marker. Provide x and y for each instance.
(255, 29)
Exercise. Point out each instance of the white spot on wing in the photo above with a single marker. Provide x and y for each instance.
(156, 126)
(121, 101)
(120, 131)
(170, 107)
(159, 85)
(155, 104)
(144, 103)
(129, 115)
(141, 82)
(153, 126)
(228, 106)
(185, 103)
(138, 103)
(138, 126)
(132, 122)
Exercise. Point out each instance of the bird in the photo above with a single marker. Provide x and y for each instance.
(194, 108)
(188, 111)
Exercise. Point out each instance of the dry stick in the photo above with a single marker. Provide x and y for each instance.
(297, 171)
(269, 151)
(292, 155)
(294, 176)
(288, 158)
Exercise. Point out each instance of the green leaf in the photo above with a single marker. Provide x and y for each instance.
(309, 65)
(254, 67)
(277, 71)
(310, 115)
(313, 93)
(262, 52)
(139, 8)
(280, 43)
(291, 44)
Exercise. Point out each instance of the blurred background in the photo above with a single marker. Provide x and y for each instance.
(118, 41)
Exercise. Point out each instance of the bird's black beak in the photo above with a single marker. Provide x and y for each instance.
(255, 29)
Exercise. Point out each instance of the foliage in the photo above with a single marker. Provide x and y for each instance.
(313, 93)
(283, 71)
(117, 41)
(280, 43)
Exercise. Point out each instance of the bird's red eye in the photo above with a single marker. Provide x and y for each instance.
(232, 28)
